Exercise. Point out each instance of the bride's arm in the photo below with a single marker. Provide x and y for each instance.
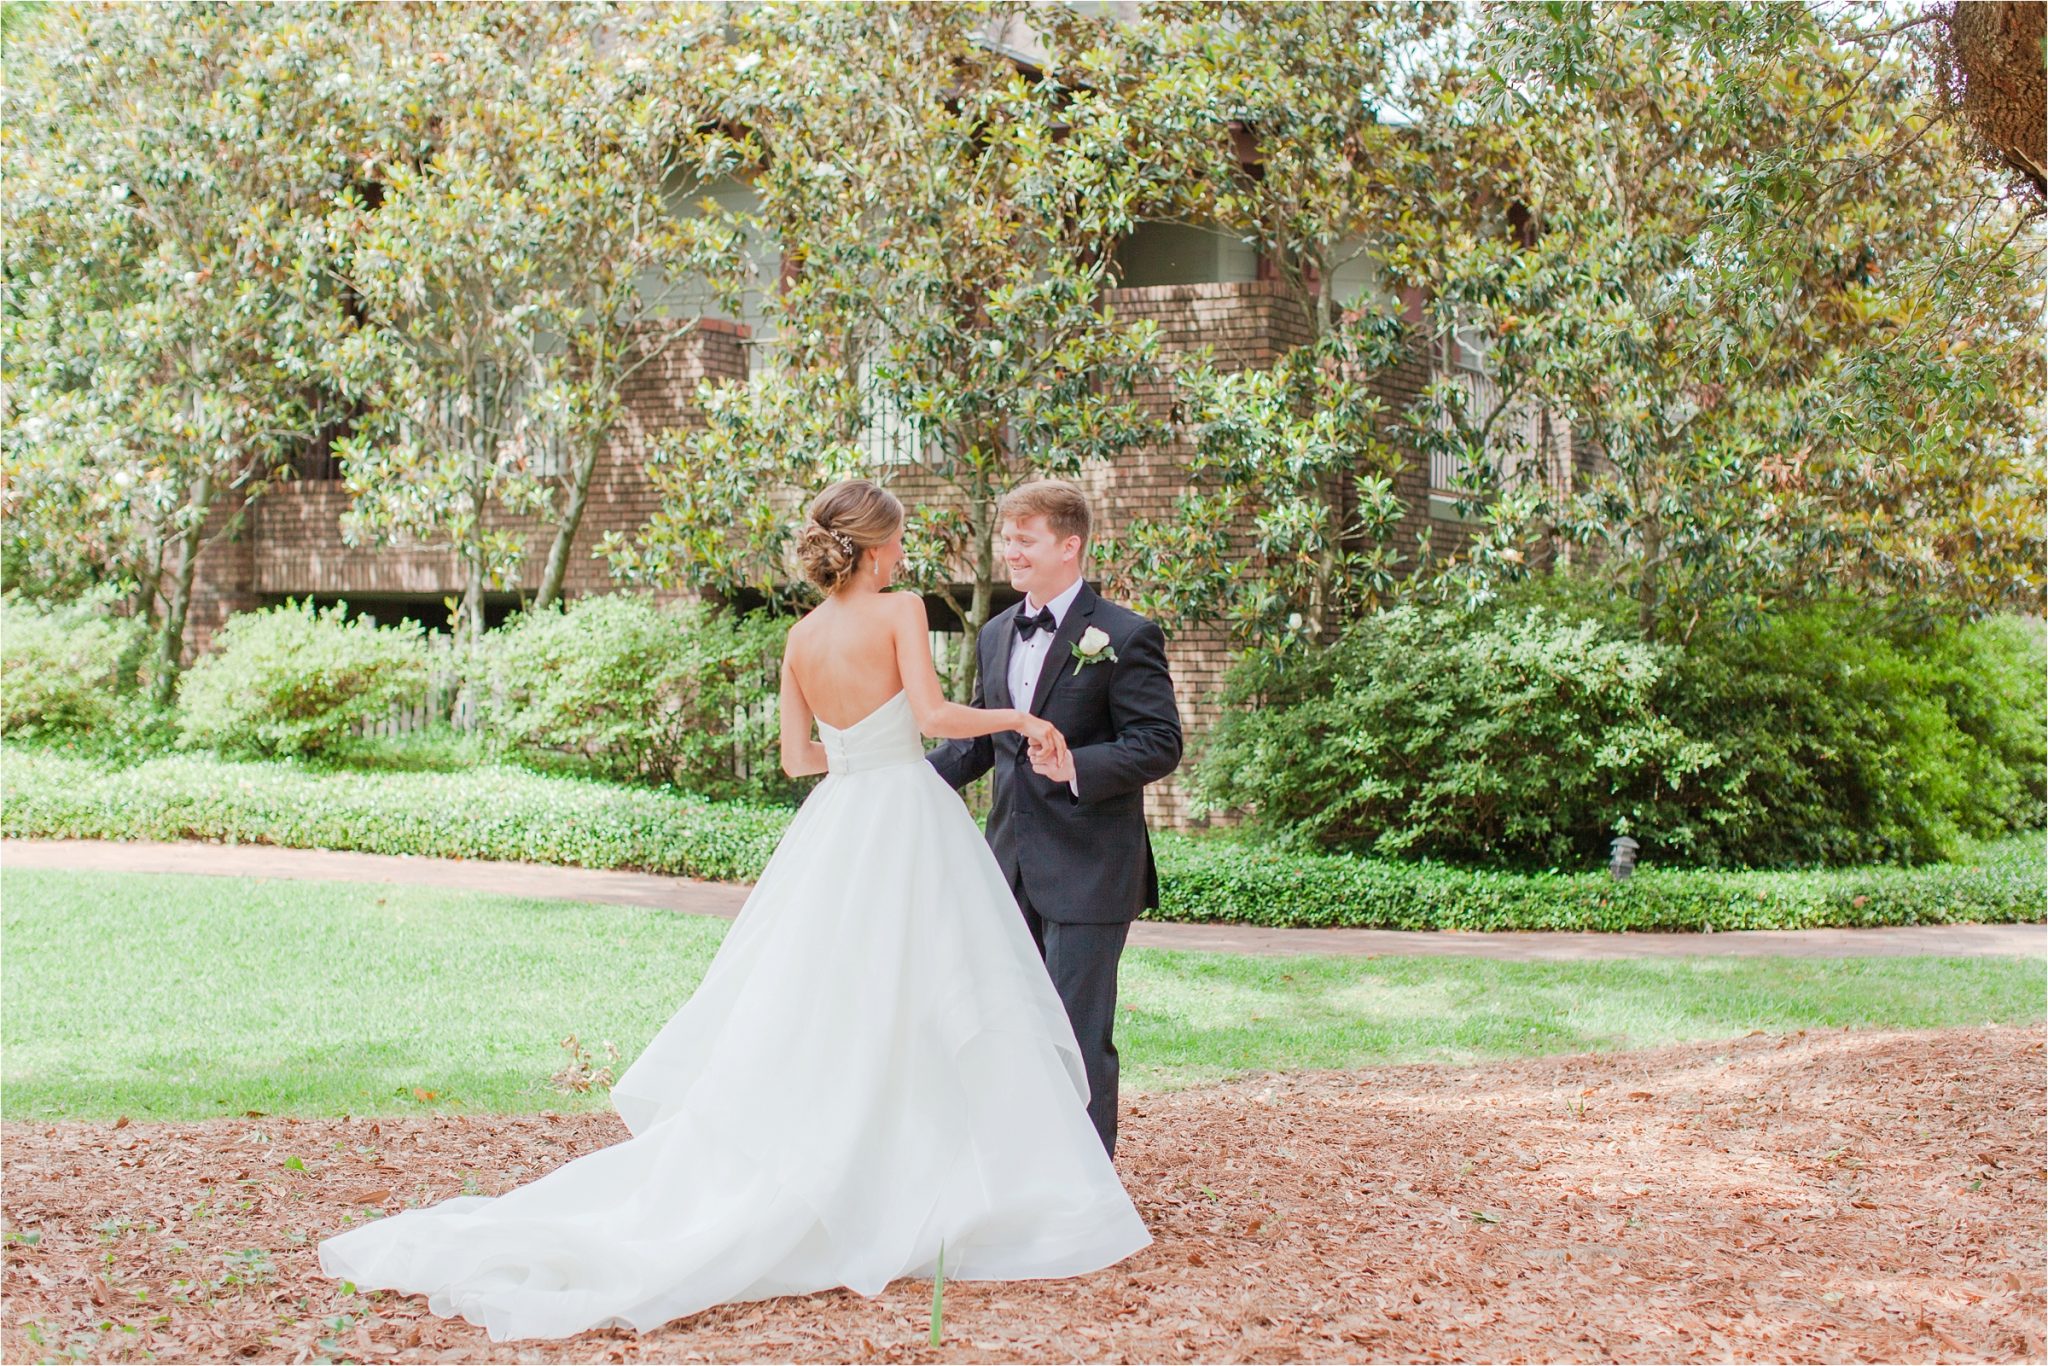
(936, 717)
(801, 755)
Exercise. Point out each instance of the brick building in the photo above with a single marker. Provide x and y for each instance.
(1201, 288)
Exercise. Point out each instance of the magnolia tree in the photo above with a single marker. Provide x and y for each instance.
(163, 167)
(948, 215)
(1768, 288)
(1305, 131)
(512, 261)
(1736, 264)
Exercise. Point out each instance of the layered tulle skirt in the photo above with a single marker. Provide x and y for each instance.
(875, 1065)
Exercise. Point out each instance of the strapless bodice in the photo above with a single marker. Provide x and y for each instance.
(885, 737)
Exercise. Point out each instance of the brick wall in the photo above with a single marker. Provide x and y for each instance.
(221, 580)
(1245, 326)
(290, 541)
(1420, 516)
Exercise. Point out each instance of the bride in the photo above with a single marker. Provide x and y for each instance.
(875, 1066)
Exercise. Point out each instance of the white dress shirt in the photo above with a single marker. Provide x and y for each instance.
(1028, 657)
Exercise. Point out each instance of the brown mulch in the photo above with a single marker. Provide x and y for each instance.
(1823, 1196)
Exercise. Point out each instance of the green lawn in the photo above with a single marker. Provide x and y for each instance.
(185, 997)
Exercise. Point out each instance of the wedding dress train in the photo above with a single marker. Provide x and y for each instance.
(875, 1064)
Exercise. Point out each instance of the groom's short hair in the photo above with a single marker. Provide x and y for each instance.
(1062, 504)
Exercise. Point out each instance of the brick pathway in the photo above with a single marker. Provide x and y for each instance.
(690, 897)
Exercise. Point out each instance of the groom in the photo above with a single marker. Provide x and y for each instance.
(1068, 830)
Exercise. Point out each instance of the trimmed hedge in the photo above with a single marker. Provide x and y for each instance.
(508, 813)
(489, 813)
(1513, 740)
(1215, 879)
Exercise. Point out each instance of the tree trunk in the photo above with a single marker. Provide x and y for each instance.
(149, 580)
(1319, 620)
(565, 530)
(1990, 68)
(1558, 487)
(1323, 321)
(1320, 617)
(1646, 487)
(1648, 600)
(473, 557)
(473, 600)
(978, 608)
(170, 641)
(148, 583)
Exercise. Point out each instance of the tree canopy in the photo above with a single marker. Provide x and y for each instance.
(1753, 290)
(162, 313)
(948, 219)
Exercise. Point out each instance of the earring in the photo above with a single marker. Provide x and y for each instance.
(878, 569)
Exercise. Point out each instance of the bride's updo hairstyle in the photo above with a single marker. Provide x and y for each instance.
(844, 520)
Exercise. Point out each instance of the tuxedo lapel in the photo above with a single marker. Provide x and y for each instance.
(1059, 661)
(996, 687)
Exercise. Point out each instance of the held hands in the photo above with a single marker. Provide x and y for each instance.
(1050, 757)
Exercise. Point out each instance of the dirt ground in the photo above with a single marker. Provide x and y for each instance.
(1824, 1196)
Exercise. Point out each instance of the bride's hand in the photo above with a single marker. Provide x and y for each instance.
(1043, 734)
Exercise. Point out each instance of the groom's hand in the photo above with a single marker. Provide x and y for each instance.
(1054, 762)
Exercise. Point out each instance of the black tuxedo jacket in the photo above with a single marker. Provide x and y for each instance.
(1085, 860)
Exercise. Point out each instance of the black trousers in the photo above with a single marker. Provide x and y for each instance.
(1081, 960)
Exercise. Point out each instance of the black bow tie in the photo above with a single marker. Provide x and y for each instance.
(1027, 627)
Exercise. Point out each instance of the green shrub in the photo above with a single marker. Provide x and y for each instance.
(1522, 736)
(61, 664)
(1525, 732)
(436, 747)
(647, 693)
(298, 680)
(1992, 677)
(1845, 739)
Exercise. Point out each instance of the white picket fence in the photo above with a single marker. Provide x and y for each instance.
(444, 700)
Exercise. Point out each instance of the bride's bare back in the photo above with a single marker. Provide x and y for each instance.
(844, 655)
(858, 649)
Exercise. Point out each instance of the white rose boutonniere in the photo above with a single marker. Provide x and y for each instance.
(1092, 648)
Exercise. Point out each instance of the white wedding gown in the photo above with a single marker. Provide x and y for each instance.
(874, 1065)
